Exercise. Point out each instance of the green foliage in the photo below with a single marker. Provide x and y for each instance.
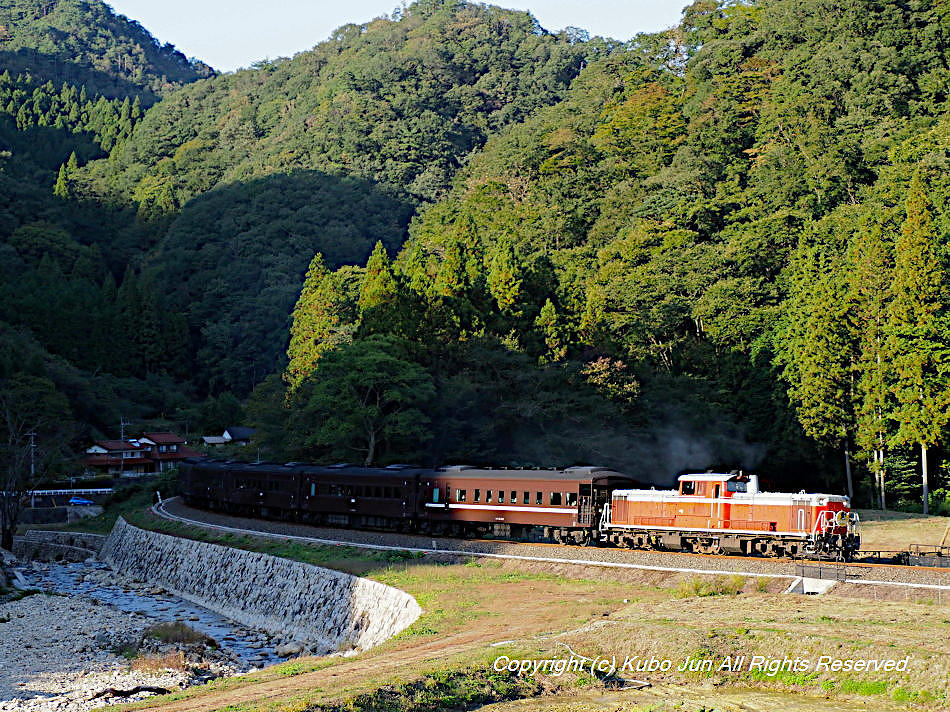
(539, 248)
(400, 101)
(918, 330)
(67, 109)
(85, 42)
(365, 398)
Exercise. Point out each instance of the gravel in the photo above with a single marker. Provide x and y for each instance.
(603, 555)
(58, 651)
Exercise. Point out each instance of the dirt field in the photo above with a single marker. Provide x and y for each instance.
(897, 530)
(476, 612)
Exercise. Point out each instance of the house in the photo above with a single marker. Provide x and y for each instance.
(166, 450)
(117, 457)
(237, 434)
(150, 453)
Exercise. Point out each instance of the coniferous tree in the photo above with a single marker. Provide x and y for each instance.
(869, 269)
(324, 317)
(819, 350)
(379, 294)
(61, 188)
(918, 333)
(551, 330)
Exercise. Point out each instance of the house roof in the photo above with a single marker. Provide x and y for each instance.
(238, 432)
(214, 439)
(163, 438)
(113, 445)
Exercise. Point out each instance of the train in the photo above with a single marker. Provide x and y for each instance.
(710, 513)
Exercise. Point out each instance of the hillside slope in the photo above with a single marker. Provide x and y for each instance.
(83, 42)
(327, 152)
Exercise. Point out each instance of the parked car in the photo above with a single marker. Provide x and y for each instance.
(80, 501)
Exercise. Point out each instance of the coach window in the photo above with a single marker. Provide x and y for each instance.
(501, 496)
(555, 499)
(527, 498)
(570, 499)
(514, 497)
(459, 495)
(539, 499)
(488, 496)
(313, 489)
(378, 491)
(688, 487)
(435, 495)
(478, 496)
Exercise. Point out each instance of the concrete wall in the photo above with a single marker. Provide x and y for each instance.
(327, 610)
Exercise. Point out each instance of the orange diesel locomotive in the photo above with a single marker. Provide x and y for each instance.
(718, 513)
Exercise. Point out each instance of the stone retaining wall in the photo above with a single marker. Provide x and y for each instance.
(80, 539)
(56, 546)
(324, 609)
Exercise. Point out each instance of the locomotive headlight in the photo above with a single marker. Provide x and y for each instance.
(841, 518)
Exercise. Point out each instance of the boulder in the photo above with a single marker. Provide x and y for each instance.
(290, 649)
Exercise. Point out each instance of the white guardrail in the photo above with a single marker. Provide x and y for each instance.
(56, 493)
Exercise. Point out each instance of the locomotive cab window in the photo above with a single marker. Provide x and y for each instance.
(688, 487)
(733, 486)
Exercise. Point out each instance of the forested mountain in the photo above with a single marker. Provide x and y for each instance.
(74, 79)
(723, 246)
(330, 152)
(698, 227)
(84, 43)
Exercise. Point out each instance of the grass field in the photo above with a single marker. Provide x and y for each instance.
(897, 530)
(480, 609)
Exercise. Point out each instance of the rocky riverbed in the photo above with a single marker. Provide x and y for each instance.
(91, 630)
(57, 652)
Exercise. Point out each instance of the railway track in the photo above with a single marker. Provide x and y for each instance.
(873, 574)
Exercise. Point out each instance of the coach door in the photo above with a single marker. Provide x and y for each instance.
(585, 507)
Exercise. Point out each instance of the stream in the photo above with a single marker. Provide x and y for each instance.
(252, 649)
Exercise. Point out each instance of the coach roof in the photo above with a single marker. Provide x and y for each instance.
(571, 474)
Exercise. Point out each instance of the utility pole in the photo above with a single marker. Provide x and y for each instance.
(33, 469)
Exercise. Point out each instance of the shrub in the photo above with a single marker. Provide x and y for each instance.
(719, 586)
(177, 633)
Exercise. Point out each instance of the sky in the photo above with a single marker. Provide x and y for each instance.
(228, 34)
